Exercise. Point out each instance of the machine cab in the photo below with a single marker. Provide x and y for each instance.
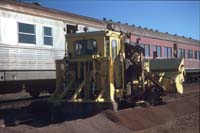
(102, 43)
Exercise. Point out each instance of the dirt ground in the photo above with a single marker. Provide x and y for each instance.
(177, 116)
(184, 124)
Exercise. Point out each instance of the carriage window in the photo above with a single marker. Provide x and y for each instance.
(26, 33)
(114, 49)
(197, 54)
(190, 54)
(167, 52)
(158, 50)
(71, 28)
(147, 50)
(85, 47)
(181, 53)
(48, 38)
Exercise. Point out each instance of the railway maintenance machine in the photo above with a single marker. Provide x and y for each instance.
(102, 71)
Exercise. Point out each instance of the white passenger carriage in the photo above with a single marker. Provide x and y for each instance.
(31, 39)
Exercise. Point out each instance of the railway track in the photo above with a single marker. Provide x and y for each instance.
(169, 98)
(185, 94)
(18, 103)
(21, 102)
(15, 111)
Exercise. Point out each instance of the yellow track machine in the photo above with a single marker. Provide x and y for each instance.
(101, 71)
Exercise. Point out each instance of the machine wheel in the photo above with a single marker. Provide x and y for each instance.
(34, 94)
(153, 96)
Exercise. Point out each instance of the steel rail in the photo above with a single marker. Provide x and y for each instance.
(17, 103)
(185, 94)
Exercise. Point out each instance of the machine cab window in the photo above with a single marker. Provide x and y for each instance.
(85, 47)
(114, 48)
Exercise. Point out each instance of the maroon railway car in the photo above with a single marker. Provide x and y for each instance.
(163, 48)
(163, 45)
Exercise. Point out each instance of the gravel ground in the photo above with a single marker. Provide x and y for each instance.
(184, 124)
(177, 116)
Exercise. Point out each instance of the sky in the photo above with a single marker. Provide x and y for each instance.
(175, 17)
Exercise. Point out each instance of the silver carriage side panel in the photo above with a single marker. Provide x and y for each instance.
(28, 61)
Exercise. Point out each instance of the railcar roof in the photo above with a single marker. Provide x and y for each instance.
(67, 17)
(39, 10)
(152, 34)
